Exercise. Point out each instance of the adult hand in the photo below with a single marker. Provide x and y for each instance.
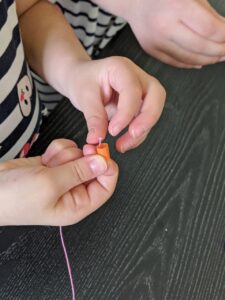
(61, 187)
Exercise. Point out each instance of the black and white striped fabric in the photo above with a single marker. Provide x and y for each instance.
(93, 26)
(19, 102)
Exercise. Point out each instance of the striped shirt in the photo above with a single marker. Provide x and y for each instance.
(19, 103)
(92, 25)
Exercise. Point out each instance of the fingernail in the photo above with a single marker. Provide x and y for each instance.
(97, 164)
(91, 133)
(198, 67)
(122, 149)
(115, 130)
(137, 132)
(126, 147)
(222, 58)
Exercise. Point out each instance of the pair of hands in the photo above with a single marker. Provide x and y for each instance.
(61, 187)
(182, 33)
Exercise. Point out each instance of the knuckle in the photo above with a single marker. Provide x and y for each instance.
(70, 153)
(56, 144)
(112, 61)
(93, 119)
(126, 60)
(158, 85)
(70, 142)
(137, 90)
(117, 60)
(78, 172)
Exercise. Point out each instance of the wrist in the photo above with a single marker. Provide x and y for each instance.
(76, 79)
(63, 73)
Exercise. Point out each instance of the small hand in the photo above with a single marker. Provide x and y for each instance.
(117, 91)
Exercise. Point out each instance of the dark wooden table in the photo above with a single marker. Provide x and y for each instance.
(161, 235)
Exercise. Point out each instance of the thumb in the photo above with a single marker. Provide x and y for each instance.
(74, 173)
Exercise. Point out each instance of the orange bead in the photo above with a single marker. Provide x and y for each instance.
(103, 150)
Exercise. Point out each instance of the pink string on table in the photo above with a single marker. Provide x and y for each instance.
(67, 263)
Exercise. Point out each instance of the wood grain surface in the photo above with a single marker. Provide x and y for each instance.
(161, 236)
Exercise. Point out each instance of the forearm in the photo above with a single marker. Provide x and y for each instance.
(50, 43)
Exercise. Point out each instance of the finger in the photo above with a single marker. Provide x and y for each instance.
(191, 58)
(127, 142)
(95, 114)
(128, 86)
(64, 156)
(84, 200)
(201, 20)
(167, 59)
(149, 114)
(128, 106)
(72, 174)
(89, 150)
(193, 42)
(20, 162)
(55, 147)
(111, 109)
(151, 109)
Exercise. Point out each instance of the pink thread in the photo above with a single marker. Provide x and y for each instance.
(99, 141)
(67, 263)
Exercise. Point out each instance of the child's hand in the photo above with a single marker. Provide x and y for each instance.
(117, 89)
(51, 189)
(183, 33)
